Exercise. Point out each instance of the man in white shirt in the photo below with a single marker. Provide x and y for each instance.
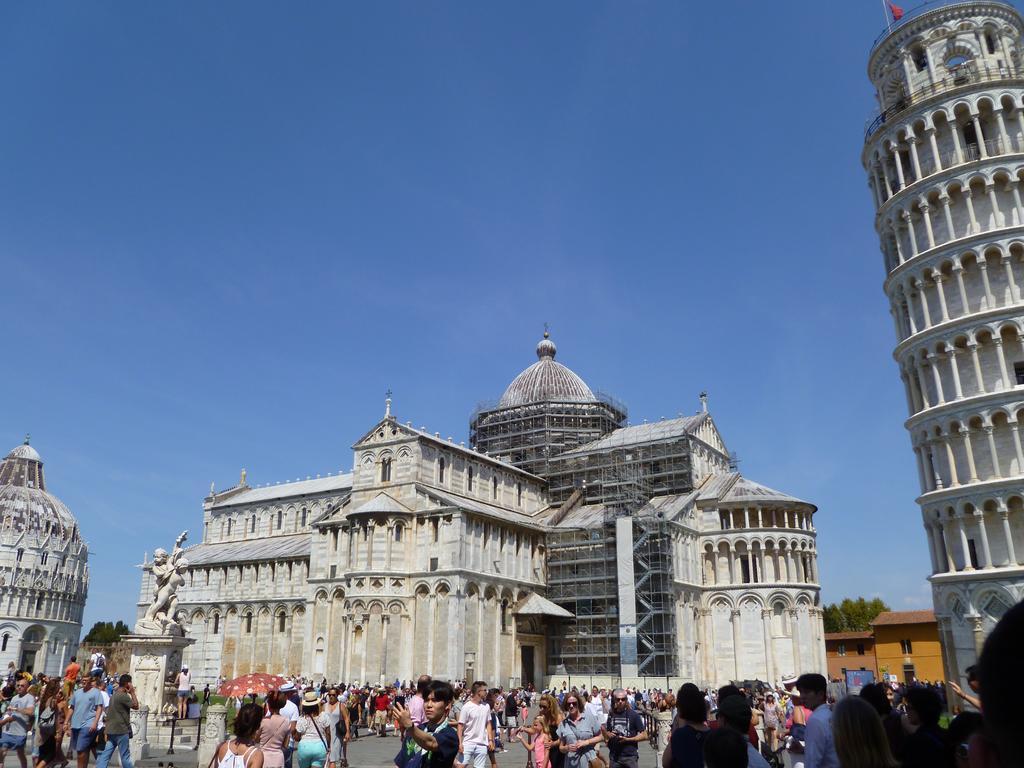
(476, 734)
(595, 706)
(819, 748)
(291, 711)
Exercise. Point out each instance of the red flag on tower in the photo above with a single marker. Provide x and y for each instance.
(897, 12)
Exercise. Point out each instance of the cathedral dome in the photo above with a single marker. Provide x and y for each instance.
(546, 381)
(25, 505)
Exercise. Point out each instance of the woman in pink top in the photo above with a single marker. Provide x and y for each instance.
(274, 732)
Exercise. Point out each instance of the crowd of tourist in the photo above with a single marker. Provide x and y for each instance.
(440, 725)
(83, 714)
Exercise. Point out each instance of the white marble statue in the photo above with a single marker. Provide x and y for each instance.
(168, 574)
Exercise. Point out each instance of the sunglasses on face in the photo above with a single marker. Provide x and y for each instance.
(617, 698)
(571, 703)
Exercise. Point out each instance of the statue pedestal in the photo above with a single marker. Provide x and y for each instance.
(663, 722)
(154, 659)
(213, 733)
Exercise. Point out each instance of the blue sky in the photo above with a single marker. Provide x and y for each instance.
(227, 228)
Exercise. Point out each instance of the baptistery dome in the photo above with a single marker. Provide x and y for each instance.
(546, 381)
(44, 572)
(25, 504)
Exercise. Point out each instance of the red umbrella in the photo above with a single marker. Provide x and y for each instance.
(258, 682)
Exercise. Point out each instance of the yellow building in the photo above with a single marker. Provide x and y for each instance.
(907, 646)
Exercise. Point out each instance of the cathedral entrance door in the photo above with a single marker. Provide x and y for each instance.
(526, 657)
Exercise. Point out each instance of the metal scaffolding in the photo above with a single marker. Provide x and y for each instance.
(530, 436)
(583, 562)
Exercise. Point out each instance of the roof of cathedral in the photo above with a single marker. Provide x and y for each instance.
(747, 490)
(381, 503)
(546, 381)
(732, 487)
(473, 505)
(535, 605)
(339, 482)
(641, 434)
(269, 548)
(25, 504)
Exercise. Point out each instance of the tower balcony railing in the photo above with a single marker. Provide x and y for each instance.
(949, 160)
(910, 15)
(960, 77)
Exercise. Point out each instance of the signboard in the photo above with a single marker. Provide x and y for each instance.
(857, 679)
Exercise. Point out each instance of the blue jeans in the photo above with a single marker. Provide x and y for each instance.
(120, 741)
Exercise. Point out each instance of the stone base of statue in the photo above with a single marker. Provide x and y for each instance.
(213, 733)
(156, 660)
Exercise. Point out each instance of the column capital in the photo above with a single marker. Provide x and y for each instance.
(905, 215)
(989, 429)
(964, 431)
(925, 206)
(944, 197)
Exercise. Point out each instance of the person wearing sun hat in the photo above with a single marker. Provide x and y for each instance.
(312, 731)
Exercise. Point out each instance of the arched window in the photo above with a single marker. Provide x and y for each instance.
(3, 645)
(990, 42)
(494, 487)
(440, 470)
(469, 479)
(385, 470)
(437, 529)
(504, 615)
(39, 603)
(398, 533)
(248, 623)
(280, 519)
(280, 622)
(229, 526)
(304, 513)
(519, 494)
(779, 628)
(252, 524)
(21, 554)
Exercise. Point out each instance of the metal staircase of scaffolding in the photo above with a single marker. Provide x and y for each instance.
(627, 488)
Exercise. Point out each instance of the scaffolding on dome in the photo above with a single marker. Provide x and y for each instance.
(531, 435)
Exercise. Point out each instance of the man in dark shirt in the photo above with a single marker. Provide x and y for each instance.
(437, 738)
(119, 723)
(623, 730)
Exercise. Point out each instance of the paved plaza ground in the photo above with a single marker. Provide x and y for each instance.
(366, 752)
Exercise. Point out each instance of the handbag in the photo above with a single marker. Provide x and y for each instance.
(317, 729)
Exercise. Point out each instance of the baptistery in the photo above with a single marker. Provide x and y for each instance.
(44, 573)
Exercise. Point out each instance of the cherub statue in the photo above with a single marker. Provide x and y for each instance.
(168, 575)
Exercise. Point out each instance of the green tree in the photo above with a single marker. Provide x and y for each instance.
(833, 619)
(852, 615)
(105, 633)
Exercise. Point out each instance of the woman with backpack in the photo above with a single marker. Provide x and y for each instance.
(50, 722)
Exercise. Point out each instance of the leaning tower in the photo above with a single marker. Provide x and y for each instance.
(944, 159)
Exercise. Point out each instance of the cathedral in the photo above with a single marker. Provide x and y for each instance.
(560, 544)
